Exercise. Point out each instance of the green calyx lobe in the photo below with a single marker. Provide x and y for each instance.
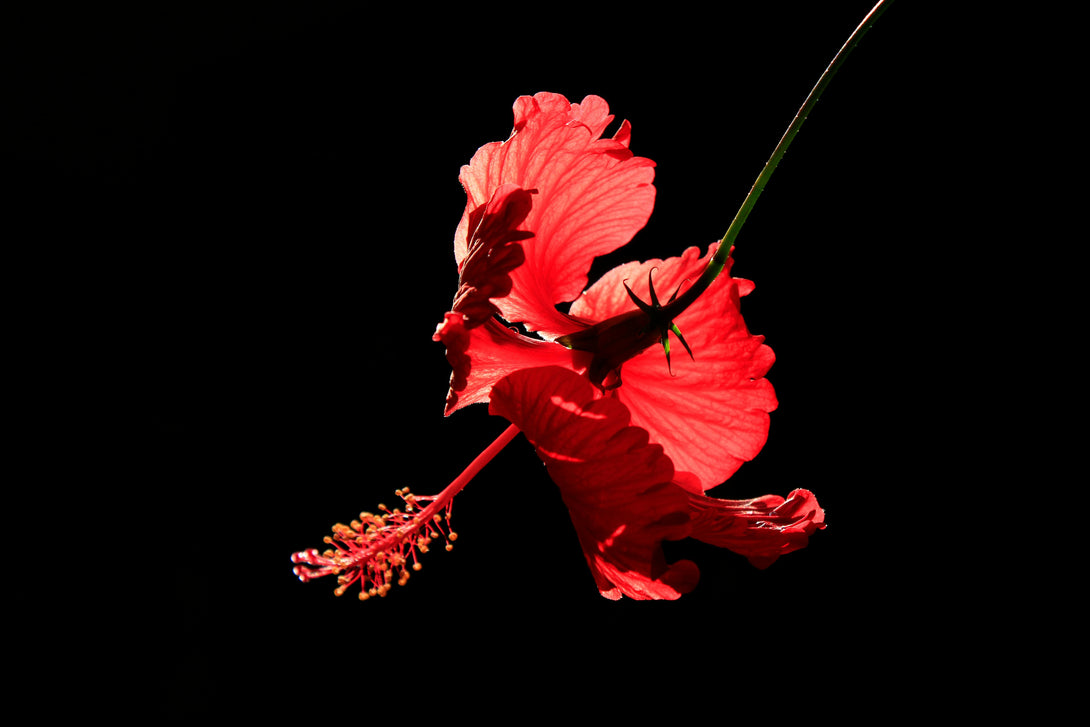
(617, 339)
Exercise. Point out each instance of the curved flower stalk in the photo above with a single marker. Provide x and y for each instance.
(632, 438)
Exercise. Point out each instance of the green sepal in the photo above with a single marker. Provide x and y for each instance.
(674, 328)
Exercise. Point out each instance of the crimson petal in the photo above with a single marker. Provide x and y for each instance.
(709, 413)
(617, 486)
(481, 356)
(762, 529)
(494, 252)
(591, 195)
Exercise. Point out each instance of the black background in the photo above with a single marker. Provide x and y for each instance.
(237, 225)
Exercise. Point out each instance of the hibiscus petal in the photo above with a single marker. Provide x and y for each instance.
(591, 195)
(481, 356)
(710, 414)
(616, 485)
(762, 529)
(493, 252)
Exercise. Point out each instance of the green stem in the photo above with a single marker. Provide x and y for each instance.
(719, 259)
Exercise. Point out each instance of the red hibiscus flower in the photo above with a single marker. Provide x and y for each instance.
(632, 447)
(632, 438)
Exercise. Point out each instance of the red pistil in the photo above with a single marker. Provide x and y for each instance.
(379, 550)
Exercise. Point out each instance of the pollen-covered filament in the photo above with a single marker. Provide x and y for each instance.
(382, 548)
